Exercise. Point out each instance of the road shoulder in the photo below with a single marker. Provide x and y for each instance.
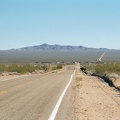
(94, 99)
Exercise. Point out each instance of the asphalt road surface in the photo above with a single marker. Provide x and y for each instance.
(34, 97)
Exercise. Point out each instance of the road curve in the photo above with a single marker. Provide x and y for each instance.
(34, 97)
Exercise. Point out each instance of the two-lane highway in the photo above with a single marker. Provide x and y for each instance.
(33, 97)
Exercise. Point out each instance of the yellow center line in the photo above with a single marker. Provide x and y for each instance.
(2, 92)
(19, 86)
(23, 84)
(29, 82)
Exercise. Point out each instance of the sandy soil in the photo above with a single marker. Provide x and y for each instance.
(8, 77)
(94, 99)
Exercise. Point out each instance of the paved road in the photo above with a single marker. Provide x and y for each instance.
(34, 97)
(100, 58)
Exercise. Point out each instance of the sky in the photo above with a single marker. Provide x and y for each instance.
(89, 23)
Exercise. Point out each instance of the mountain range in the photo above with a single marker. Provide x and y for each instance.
(56, 47)
(55, 53)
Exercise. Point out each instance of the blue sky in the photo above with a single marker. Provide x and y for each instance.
(90, 23)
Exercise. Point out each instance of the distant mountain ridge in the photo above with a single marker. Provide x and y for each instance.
(57, 53)
(56, 47)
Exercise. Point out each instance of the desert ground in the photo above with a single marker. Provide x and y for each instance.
(34, 96)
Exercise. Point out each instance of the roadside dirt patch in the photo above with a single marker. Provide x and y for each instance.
(94, 99)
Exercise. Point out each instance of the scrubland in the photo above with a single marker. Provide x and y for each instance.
(104, 68)
(27, 68)
(109, 71)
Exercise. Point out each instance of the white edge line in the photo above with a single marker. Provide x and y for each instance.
(55, 110)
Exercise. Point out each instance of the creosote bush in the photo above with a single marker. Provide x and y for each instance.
(59, 66)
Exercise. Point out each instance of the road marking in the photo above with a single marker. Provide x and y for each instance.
(24, 84)
(29, 82)
(2, 92)
(55, 110)
(18, 86)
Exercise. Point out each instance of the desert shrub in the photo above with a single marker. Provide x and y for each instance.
(59, 66)
(21, 68)
(54, 67)
(28, 68)
(2, 68)
(12, 68)
(46, 67)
